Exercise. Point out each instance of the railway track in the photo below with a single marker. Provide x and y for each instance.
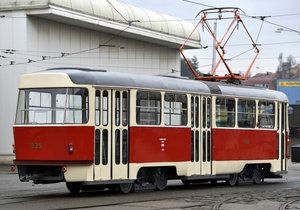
(284, 206)
(201, 196)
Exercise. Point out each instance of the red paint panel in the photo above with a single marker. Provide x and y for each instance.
(230, 144)
(156, 144)
(51, 143)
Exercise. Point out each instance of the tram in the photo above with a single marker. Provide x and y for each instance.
(124, 131)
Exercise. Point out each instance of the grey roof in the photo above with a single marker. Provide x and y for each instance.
(115, 79)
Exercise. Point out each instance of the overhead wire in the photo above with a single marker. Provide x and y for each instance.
(123, 49)
(116, 10)
(69, 54)
(91, 49)
(263, 18)
(194, 2)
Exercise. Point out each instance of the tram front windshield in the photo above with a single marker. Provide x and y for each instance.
(52, 106)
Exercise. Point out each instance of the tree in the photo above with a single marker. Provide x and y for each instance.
(195, 63)
(291, 60)
(185, 71)
(284, 70)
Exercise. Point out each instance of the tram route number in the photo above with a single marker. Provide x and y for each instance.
(36, 145)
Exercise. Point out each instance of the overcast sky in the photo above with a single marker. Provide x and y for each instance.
(267, 60)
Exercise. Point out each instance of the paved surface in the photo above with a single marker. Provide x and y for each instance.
(273, 194)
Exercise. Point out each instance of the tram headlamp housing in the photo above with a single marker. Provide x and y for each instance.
(64, 169)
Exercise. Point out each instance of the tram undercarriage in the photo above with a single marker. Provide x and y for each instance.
(152, 178)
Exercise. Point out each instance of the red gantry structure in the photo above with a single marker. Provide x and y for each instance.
(233, 14)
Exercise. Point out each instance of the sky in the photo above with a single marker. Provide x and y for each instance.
(271, 42)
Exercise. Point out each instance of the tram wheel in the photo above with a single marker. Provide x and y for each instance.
(74, 187)
(233, 179)
(124, 187)
(160, 179)
(257, 176)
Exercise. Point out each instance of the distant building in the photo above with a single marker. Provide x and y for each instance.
(291, 88)
(267, 80)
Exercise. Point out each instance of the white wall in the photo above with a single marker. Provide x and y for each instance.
(35, 37)
(138, 57)
(12, 36)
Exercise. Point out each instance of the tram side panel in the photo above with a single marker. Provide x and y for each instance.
(159, 144)
(233, 144)
(54, 143)
(232, 149)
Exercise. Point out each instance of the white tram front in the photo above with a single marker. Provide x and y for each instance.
(125, 131)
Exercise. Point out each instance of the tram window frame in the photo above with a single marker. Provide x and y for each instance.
(97, 146)
(197, 111)
(125, 106)
(193, 111)
(97, 107)
(104, 145)
(124, 147)
(264, 113)
(192, 146)
(175, 109)
(208, 112)
(105, 108)
(246, 117)
(117, 147)
(148, 107)
(117, 108)
(71, 110)
(231, 112)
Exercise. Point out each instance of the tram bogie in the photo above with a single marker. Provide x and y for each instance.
(130, 132)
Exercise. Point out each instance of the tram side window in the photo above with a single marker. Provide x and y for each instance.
(117, 108)
(74, 107)
(246, 113)
(225, 112)
(41, 103)
(175, 109)
(105, 108)
(148, 108)
(52, 106)
(97, 107)
(124, 109)
(266, 114)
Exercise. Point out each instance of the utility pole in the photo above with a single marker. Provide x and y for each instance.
(214, 47)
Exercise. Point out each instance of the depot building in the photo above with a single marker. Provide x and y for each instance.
(96, 34)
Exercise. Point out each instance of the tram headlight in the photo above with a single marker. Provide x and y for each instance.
(70, 148)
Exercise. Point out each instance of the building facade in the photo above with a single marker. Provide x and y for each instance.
(101, 34)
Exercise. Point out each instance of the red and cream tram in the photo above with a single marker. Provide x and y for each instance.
(126, 131)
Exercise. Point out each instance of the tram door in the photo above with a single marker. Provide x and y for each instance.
(120, 119)
(195, 134)
(282, 129)
(111, 134)
(206, 162)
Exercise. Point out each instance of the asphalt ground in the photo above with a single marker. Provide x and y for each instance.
(273, 194)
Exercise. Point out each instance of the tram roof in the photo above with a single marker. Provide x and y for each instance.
(116, 79)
